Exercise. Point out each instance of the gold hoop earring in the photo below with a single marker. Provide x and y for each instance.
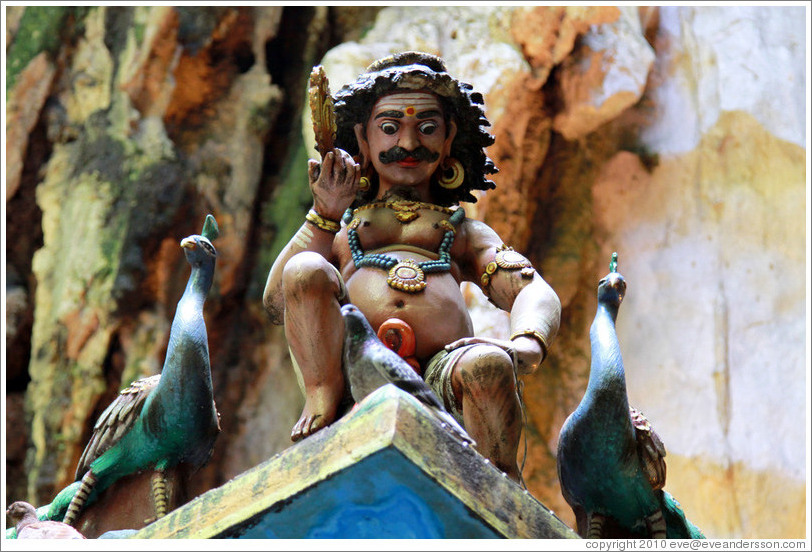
(364, 182)
(452, 174)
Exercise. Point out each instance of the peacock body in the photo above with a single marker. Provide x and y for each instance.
(611, 464)
(163, 420)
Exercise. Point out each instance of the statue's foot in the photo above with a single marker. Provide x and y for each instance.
(307, 425)
(319, 412)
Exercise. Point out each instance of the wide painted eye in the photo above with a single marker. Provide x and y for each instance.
(428, 127)
(389, 127)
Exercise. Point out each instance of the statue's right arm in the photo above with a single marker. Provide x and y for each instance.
(333, 183)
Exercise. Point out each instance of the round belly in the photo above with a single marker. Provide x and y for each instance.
(437, 314)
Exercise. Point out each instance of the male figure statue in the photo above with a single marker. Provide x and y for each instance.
(418, 141)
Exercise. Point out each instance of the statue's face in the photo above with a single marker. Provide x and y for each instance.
(406, 138)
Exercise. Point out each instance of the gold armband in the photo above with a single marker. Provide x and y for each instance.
(325, 224)
(507, 259)
(535, 334)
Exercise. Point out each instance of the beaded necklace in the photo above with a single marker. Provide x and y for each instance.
(406, 275)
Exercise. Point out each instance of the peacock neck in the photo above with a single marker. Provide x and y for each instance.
(606, 390)
(181, 407)
(199, 284)
(188, 342)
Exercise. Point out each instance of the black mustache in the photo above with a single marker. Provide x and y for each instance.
(397, 153)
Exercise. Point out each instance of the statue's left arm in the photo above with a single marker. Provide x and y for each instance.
(511, 283)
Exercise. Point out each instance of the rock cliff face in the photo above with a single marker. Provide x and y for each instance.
(673, 135)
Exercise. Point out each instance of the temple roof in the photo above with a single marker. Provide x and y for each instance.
(386, 470)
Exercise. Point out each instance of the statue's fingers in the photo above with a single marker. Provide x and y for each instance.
(313, 169)
(506, 345)
(457, 344)
(340, 166)
(357, 173)
(338, 169)
(326, 169)
(328, 163)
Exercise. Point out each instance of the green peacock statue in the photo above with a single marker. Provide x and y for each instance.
(611, 463)
(163, 420)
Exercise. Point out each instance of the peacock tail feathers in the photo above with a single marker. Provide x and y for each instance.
(679, 527)
(650, 449)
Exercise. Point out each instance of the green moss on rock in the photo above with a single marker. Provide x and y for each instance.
(41, 30)
(285, 212)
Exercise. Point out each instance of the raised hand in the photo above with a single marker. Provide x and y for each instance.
(333, 183)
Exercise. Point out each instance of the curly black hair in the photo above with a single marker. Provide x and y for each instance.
(421, 71)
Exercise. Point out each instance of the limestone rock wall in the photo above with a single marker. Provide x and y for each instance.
(672, 135)
(151, 118)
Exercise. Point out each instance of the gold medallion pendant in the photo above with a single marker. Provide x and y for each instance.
(407, 276)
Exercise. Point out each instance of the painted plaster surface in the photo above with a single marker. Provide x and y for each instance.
(674, 135)
(711, 241)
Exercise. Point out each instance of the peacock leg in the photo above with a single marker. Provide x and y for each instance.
(596, 522)
(79, 499)
(159, 493)
(656, 525)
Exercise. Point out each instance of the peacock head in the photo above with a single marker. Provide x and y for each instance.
(198, 247)
(198, 250)
(612, 287)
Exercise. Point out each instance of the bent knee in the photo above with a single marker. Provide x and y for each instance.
(485, 366)
(308, 272)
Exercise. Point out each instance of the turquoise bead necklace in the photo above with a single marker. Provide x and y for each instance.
(406, 275)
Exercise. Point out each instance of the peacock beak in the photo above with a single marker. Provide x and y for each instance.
(188, 243)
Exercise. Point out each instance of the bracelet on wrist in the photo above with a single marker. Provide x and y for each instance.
(325, 224)
(534, 334)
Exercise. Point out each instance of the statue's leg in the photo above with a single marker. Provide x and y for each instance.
(159, 493)
(485, 387)
(79, 499)
(596, 522)
(656, 525)
(315, 333)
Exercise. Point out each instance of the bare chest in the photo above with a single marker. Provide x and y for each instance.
(424, 231)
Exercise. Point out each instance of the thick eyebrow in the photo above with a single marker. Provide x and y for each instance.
(429, 113)
(390, 113)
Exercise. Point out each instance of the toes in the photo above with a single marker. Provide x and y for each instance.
(296, 432)
(316, 423)
(306, 426)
